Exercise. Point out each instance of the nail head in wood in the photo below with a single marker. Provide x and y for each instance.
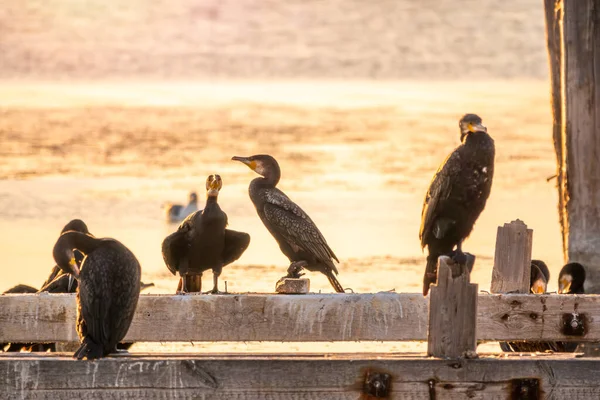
(377, 384)
(452, 312)
(512, 261)
(293, 286)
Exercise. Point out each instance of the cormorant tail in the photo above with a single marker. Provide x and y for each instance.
(334, 282)
(89, 349)
(430, 275)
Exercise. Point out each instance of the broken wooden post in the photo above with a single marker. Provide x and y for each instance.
(452, 312)
(512, 261)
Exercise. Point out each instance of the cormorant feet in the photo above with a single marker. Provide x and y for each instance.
(295, 268)
(215, 291)
(459, 257)
(181, 293)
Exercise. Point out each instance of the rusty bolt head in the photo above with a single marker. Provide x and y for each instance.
(377, 384)
(574, 324)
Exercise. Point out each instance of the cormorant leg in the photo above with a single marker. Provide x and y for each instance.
(215, 289)
(181, 287)
(295, 268)
(459, 256)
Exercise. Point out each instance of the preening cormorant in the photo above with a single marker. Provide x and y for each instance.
(457, 195)
(202, 242)
(177, 212)
(109, 288)
(571, 279)
(298, 236)
(539, 277)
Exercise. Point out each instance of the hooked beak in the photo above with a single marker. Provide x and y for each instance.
(477, 128)
(74, 269)
(245, 160)
(70, 284)
(564, 285)
(538, 287)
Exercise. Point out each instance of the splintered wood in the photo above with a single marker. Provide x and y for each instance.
(452, 312)
(512, 262)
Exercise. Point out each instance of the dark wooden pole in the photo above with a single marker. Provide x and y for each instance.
(580, 134)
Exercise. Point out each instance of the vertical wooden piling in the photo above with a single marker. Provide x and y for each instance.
(452, 312)
(512, 261)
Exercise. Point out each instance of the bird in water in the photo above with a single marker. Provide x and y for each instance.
(202, 242)
(178, 212)
(538, 284)
(457, 195)
(108, 292)
(297, 235)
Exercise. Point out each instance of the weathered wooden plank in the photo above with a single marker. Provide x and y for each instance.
(452, 311)
(312, 317)
(512, 261)
(292, 377)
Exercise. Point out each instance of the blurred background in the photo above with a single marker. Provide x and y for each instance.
(109, 109)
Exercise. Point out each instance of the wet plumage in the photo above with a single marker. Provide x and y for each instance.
(202, 242)
(109, 288)
(457, 195)
(297, 235)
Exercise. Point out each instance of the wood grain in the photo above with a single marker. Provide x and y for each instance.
(512, 261)
(312, 317)
(452, 311)
(26, 376)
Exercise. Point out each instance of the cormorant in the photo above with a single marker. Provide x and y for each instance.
(571, 279)
(20, 288)
(177, 212)
(201, 243)
(297, 235)
(457, 195)
(109, 288)
(538, 284)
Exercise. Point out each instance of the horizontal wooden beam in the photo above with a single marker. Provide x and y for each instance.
(315, 317)
(344, 376)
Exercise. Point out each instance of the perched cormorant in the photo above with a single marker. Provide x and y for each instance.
(177, 212)
(109, 288)
(538, 284)
(457, 195)
(201, 243)
(571, 279)
(20, 288)
(298, 236)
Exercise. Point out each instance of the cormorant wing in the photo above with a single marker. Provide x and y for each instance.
(175, 246)
(439, 190)
(295, 227)
(235, 245)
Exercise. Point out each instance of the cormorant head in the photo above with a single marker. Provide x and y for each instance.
(64, 256)
(193, 198)
(571, 278)
(262, 164)
(540, 275)
(470, 123)
(76, 225)
(213, 185)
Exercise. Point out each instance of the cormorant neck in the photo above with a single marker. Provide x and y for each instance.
(212, 199)
(66, 243)
(270, 180)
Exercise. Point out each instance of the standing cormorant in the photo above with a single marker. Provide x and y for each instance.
(109, 288)
(202, 243)
(177, 212)
(457, 195)
(298, 236)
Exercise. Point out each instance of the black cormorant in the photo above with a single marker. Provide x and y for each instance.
(109, 288)
(177, 212)
(298, 236)
(539, 277)
(202, 243)
(571, 279)
(457, 195)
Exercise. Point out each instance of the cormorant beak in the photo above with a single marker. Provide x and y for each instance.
(564, 284)
(74, 269)
(538, 287)
(70, 285)
(477, 127)
(245, 160)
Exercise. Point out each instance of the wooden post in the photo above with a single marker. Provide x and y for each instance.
(452, 312)
(512, 262)
(579, 167)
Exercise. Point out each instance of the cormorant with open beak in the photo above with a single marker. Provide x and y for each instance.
(298, 236)
(457, 195)
(108, 292)
(202, 242)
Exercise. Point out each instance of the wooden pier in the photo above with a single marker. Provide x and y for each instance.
(453, 319)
